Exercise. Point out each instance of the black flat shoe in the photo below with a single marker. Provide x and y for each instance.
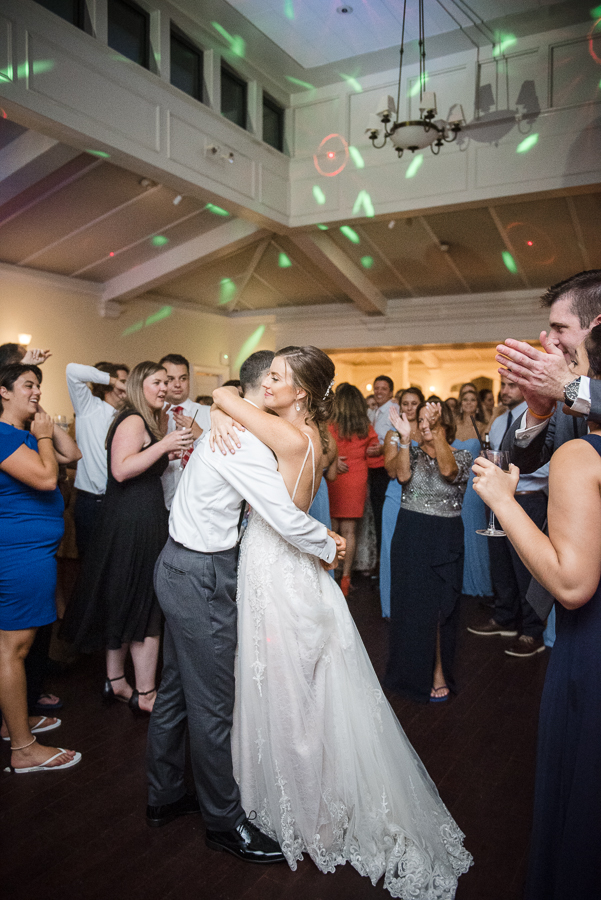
(157, 816)
(247, 843)
(134, 702)
(108, 694)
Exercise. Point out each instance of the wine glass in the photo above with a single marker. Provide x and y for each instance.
(500, 458)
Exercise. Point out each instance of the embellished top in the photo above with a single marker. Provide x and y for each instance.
(428, 492)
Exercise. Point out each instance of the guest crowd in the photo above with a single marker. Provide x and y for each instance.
(397, 472)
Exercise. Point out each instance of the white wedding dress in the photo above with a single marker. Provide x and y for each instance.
(318, 751)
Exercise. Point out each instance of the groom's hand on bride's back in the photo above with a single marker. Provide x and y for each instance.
(340, 551)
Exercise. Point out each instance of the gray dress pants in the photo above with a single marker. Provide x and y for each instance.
(197, 593)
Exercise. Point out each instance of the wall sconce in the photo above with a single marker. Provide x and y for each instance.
(25, 339)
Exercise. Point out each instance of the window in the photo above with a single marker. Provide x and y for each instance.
(273, 123)
(186, 66)
(128, 31)
(233, 97)
(70, 10)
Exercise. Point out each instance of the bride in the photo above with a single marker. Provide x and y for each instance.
(317, 750)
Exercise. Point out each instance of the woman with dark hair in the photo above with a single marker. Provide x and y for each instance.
(318, 752)
(409, 401)
(476, 565)
(31, 519)
(427, 557)
(114, 606)
(354, 437)
(487, 400)
(566, 831)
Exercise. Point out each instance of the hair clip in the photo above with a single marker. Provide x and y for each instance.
(327, 393)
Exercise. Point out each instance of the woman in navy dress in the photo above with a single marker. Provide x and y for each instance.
(565, 858)
(31, 521)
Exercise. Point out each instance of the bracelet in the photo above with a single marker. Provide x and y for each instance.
(542, 418)
(45, 438)
(25, 746)
(404, 446)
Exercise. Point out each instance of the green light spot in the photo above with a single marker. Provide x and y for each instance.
(510, 262)
(159, 240)
(7, 73)
(352, 82)
(415, 89)
(596, 13)
(227, 291)
(249, 346)
(289, 9)
(367, 262)
(236, 43)
(356, 157)
(284, 262)
(414, 166)
(318, 195)
(297, 81)
(349, 233)
(99, 153)
(42, 65)
(323, 227)
(163, 313)
(216, 210)
(527, 144)
(23, 70)
(364, 200)
(137, 326)
(503, 42)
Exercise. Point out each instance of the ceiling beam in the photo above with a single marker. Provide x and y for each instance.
(221, 241)
(447, 256)
(28, 159)
(64, 283)
(579, 236)
(389, 265)
(333, 262)
(508, 245)
(256, 259)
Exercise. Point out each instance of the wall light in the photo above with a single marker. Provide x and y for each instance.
(369, 387)
(25, 339)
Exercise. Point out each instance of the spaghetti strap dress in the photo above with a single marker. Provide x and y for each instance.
(565, 856)
(317, 750)
(114, 602)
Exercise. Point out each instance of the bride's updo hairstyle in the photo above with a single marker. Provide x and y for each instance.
(313, 371)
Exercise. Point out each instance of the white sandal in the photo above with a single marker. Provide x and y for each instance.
(40, 728)
(46, 768)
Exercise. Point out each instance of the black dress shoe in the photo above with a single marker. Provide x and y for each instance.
(134, 702)
(247, 843)
(156, 816)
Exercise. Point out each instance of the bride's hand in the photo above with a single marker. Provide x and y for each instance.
(223, 431)
(340, 551)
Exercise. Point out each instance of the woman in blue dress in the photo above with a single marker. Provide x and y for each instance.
(31, 520)
(409, 400)
(476, 566)
(566, 834)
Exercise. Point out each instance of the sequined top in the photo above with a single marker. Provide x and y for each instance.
(427, 492)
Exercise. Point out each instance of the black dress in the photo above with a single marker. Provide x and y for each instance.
(565, 853)
(114, 601)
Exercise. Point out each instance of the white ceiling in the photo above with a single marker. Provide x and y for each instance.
(313, 33)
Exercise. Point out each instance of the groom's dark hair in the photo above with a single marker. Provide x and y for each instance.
(253, 369)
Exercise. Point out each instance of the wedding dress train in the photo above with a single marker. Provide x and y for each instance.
(318, 751)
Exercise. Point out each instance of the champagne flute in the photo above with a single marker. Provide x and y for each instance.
(500, 458)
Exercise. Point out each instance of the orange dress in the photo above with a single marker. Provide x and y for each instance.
(348, 492)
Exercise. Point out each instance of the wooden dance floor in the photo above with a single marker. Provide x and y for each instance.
(81, 834)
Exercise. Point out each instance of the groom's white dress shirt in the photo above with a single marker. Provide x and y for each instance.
(206, 507)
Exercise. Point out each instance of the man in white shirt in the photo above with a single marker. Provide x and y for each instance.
(180, 413)
(195, 582)
(94, 412)
(378, 476)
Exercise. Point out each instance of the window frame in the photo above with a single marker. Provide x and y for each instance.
(235, 77)
(145, 15)
(175, 33)
(80, 14)
(275, 107)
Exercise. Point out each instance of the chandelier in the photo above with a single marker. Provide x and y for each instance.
(416, 134)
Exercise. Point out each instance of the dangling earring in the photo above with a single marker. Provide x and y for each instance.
(297, 406)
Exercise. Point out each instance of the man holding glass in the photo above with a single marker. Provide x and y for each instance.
(513, 615)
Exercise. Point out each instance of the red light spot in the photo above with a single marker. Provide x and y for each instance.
(331, 155)
(530, 243)
(111, 253)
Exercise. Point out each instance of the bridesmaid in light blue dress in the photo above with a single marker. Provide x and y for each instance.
(408, 403)
(476, 566)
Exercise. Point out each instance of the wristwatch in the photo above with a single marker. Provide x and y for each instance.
(570, 391)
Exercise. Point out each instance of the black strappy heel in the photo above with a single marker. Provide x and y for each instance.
(108, 694)
(134, 702)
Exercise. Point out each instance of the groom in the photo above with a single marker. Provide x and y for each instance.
(195, 582)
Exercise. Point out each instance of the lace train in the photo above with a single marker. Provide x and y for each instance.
(318, 751)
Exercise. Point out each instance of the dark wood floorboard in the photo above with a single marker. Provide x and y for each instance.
(81, 834)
